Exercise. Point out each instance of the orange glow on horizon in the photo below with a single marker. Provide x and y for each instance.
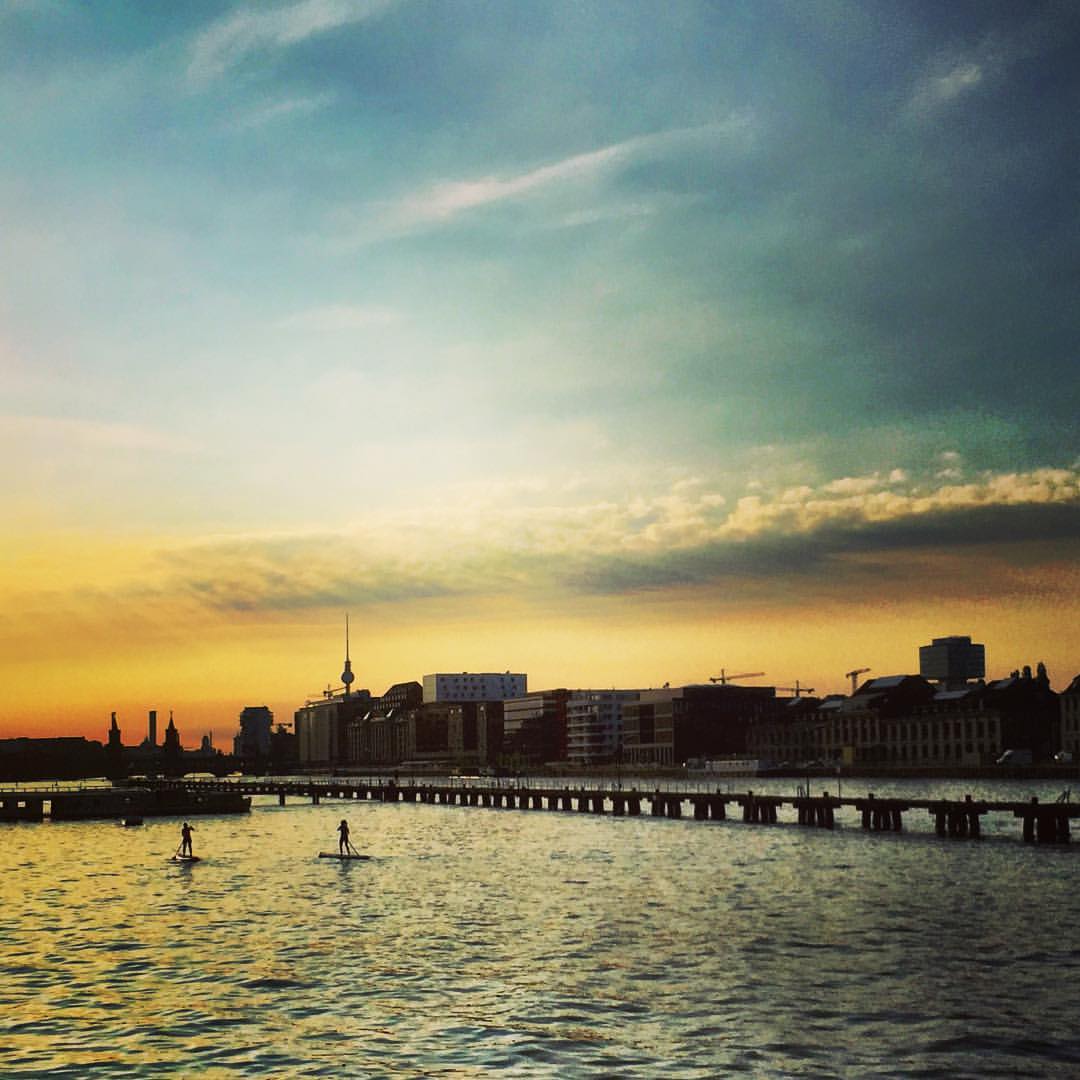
(207, 677)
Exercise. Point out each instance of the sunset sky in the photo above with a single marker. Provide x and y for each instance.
(612, 342)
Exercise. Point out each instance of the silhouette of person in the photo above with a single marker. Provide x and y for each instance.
(343, 837)
(185, 839)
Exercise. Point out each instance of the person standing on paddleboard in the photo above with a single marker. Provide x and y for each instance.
(343, 837)
(185, 839)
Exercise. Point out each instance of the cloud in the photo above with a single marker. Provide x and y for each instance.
(229, 41)
(853, 485)
(756, 515)
(297, 573)
(442, 202)
(1027, 33)
(1013, 534)
(685, 537)
(283, 110)
(447, 200)
(941, 88)
(616, 211)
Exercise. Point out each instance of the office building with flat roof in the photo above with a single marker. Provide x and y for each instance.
(952, 661)
(474, 686)
(674, 724)
(594, 725)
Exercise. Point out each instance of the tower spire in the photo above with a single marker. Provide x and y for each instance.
(347, 675)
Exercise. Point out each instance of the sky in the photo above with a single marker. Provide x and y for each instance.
(617, 343)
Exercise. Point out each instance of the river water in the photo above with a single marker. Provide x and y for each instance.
(534, 944)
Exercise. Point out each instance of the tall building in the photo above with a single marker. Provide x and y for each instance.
(252, 741)
(952, 661)
(474, 686)
(321, 727)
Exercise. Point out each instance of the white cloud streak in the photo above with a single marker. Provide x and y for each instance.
(939, 89)
(283, 110)
(442, 202)
(231, 40)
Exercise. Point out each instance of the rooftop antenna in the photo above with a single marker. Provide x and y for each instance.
(347, 675)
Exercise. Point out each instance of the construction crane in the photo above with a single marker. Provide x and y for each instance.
(854, 675)
(724, 678)
(797, 689)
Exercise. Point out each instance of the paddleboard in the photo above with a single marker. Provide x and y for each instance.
(338, 855)
(184, 858)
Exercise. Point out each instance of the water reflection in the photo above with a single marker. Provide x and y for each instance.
(537, 943)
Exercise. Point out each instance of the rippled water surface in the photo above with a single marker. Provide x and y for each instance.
(535, 944)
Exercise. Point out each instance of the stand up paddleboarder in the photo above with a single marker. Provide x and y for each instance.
(185, 839)
(343, 837)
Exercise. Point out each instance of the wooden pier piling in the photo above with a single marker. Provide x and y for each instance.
(1041, 823)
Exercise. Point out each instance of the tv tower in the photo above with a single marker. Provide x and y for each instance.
(347, 675)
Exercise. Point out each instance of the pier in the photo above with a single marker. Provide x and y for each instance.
(1040, 822)
(74, 802)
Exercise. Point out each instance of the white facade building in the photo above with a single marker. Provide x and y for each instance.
(594, 725)
(474, 686)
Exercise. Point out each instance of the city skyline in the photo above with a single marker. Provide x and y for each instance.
(219, 730)
(604, 345)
